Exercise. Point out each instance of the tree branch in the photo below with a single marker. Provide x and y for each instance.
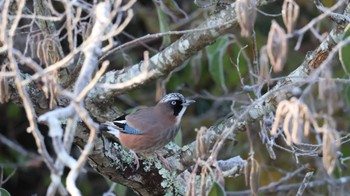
(109, 159)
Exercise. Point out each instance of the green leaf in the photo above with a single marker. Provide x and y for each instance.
(345, 51)
(13, 112)
(217, 190)
(215, 54)
(163, 25)
(4, 192)
(346, 92)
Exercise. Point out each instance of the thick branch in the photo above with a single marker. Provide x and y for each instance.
(162, 63)
(115, 160)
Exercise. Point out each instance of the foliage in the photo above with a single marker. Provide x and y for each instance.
(268, 84)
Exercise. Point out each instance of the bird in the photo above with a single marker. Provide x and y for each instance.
(149, 129)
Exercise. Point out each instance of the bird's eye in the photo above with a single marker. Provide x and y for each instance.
(173, 103)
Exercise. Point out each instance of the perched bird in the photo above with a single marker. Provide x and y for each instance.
(150, 129)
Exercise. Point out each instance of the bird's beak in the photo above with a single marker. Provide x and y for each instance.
(188, 102)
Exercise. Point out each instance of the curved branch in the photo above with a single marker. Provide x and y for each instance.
(108, 158)
(161, 64)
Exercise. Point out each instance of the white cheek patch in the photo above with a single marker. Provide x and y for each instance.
(179, 116)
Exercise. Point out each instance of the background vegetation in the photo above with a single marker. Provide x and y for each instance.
(251, 111)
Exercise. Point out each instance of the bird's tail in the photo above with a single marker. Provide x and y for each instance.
(110, 129)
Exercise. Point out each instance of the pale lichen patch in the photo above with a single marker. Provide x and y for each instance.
(184, 46)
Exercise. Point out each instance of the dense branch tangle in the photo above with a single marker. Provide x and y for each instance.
(101, 22)
(49, 51)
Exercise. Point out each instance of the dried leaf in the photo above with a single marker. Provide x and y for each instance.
(246, 174)
(219, 177)
(330, 147)
(254, 177)
(191, 188)
(204, 181)
(246, 14)
(264, 69)
(290, 13)
(4, 86)
(202, 149)
(294, 116)
(328, 92)
(171, 8)
(277, 47)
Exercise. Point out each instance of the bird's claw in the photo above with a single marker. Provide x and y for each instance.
(165, 162)
(136, 160)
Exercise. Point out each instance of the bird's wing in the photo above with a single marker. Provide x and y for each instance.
(129, 130)
(120, 122)
(141, 120)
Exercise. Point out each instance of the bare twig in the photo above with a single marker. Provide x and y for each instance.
(311, 184)
(24, 95)
(304, 183)
(91, 51)
(18, 148)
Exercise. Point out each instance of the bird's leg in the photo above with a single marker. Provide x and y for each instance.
(164, 161)
(136, 159)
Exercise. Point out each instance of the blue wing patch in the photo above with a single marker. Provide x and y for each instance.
(130, 130)
(120, 122)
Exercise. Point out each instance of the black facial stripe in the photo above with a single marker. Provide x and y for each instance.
(177, 107)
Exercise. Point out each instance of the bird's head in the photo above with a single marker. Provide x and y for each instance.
(177, 103)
